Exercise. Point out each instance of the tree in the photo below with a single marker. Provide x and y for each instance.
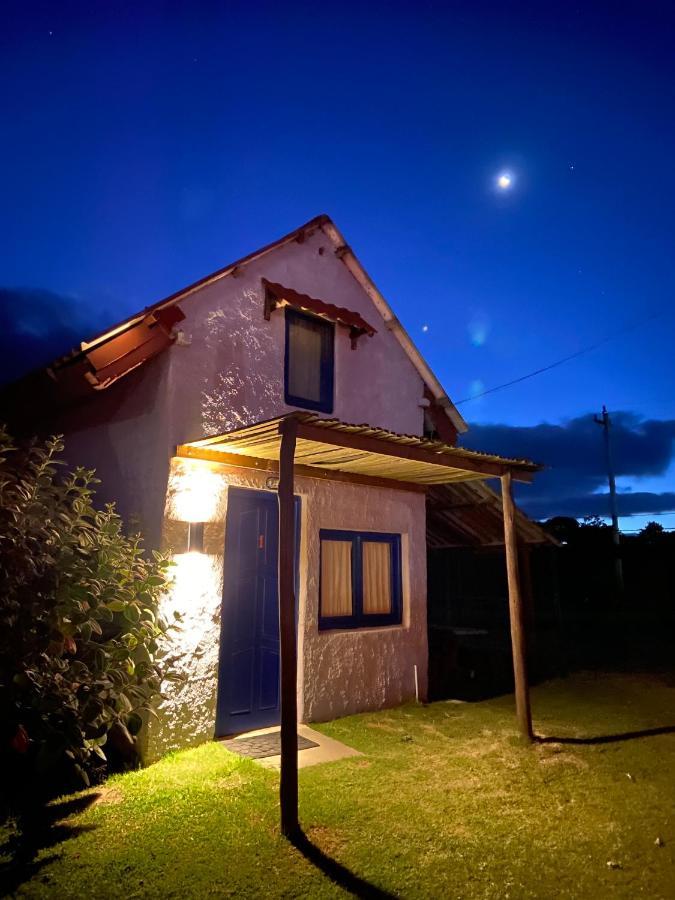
(652, 532)
(79, 624)
(595, 522)
(563, 528)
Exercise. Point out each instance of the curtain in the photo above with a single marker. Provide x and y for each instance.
(304, 359)
(376, 577)
(336, 578)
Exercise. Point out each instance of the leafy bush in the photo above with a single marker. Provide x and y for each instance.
(79, 625)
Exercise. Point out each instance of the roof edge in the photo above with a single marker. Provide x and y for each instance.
(177, 296)
(349, 258)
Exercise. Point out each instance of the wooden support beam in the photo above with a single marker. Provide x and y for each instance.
(288, 791)
(516, 611)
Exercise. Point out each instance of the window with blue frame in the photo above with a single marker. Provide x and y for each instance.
(309, 361)
(360, 580)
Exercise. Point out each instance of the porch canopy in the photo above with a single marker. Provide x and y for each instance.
(470, 515)
(328, 447)
(305, 444)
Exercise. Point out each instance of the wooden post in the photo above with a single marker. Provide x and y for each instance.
(288, 791)
(516, 611)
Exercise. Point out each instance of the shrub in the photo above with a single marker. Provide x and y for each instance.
(79, 625)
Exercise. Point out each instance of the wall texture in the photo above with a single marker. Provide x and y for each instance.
(345, 672)
(339, 672)
(232, 373)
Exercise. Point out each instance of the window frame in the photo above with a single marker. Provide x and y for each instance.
(326, 367)
(359, 619)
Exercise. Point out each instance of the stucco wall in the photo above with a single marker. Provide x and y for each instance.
(124, 433)
(339, 672)
(232, 372)
(349, 671)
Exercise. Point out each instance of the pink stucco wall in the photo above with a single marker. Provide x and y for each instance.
(232, 372)
(339, 672)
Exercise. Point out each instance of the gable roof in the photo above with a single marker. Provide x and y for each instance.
(343, 252)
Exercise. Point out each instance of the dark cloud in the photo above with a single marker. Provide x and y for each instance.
(36, 326)
(575, 480)
(580, 505)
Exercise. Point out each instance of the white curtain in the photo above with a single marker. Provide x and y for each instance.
(376, 577)
(336, 578)
(304, 359)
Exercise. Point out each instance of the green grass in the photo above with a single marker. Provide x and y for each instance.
(445, 802)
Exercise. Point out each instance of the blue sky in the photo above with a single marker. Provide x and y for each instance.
(149, 144)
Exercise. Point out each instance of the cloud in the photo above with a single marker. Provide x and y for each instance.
(578, 506)
(575, 480)
(36, 326)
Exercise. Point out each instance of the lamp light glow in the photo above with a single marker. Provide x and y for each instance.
(196, 495)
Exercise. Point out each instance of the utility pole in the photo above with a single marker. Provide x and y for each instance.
(605, 422)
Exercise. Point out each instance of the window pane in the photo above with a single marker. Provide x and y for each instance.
(336, 578)
(376, 577)
(304, 359)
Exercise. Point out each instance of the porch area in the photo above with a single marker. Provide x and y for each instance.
(303, 444)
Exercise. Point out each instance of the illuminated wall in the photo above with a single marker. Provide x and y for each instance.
(339, 672)
(196, 492)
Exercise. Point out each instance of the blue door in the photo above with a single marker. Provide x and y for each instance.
(248, 680)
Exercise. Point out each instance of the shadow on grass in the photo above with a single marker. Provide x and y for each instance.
(341, 875)
(607, 738)
(39, 830)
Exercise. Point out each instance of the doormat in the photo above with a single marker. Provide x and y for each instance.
(263, 745)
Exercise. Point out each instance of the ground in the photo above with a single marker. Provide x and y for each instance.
(445, 801)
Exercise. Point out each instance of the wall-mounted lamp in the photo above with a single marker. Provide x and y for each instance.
(196, 493)
(195, 540)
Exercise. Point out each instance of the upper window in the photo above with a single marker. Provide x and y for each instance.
(360, 583)
(309, 363)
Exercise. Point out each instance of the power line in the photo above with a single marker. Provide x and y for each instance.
(630, 327)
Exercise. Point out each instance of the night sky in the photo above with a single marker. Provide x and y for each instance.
(145, 145)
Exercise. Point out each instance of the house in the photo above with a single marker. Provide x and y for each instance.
(218, 420)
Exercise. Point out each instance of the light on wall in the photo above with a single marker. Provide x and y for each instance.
(196, 494)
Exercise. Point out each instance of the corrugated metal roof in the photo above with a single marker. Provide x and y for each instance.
(364, 450)
(470, 515)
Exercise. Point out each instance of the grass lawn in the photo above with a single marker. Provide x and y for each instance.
(445, 802)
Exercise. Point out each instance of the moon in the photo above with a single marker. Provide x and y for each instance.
(504, 181)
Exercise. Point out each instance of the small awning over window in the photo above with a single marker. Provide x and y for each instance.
(277, 295)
